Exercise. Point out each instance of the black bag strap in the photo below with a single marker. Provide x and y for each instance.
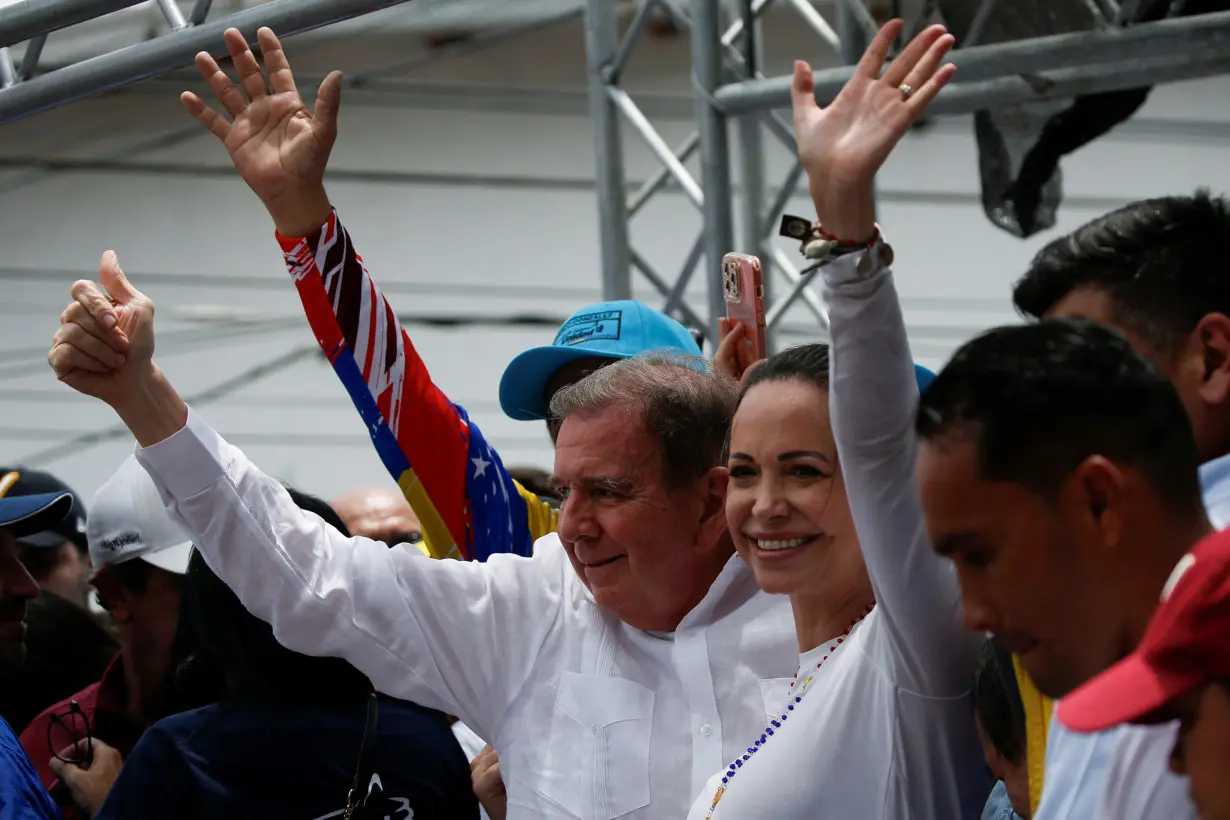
(363, 770)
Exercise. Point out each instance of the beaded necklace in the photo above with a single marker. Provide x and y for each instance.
(794, 698)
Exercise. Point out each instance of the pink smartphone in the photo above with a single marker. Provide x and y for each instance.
(743, 287)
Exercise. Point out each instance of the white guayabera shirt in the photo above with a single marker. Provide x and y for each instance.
(886, 730)
(591, 718)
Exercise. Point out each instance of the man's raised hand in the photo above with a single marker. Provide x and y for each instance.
(105, 344)
(279, 147)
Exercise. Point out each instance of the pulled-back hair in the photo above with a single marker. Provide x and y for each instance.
(802, 363)
(682, 402)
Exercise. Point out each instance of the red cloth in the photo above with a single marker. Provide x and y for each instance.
(104, 705)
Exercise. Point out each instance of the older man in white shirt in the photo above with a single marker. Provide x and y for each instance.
(614, 671)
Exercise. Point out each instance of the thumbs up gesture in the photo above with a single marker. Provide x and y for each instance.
(105, 344)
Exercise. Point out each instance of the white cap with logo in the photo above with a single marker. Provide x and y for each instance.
(128, 520)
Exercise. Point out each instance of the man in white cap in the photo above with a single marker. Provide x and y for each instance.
(140, 557)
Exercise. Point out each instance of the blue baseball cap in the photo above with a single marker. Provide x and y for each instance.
(20, 482)
(923, 376)
(609, 330)
(27, 514)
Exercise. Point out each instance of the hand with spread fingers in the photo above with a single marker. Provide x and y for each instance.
(843, 145)
(279, 147)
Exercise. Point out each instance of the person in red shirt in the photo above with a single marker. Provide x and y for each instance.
(141, 556)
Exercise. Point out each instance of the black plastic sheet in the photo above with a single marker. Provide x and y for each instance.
(1020, 147)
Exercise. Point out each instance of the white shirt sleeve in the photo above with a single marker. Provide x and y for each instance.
(874, 396)
(458, 636)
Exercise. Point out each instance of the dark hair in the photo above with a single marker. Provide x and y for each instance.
(1160, 261)
(997, 701)
(1039, 399)
(238, 646)
(803, 363)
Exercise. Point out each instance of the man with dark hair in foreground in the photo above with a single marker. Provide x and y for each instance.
(1059, 472)
(1155, 271)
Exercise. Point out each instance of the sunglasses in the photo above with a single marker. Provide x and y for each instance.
(74, 723)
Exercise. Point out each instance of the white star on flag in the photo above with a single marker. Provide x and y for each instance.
(480, 466)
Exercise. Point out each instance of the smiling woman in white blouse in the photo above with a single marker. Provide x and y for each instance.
(822, 505)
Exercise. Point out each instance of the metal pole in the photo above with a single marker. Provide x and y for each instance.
(714, 151)
(630, 39)
(817, 23)
(852, 27)
(657, 146)
(30, 18)
(751, 161)
(200, 11)
(856, 26)
(29, 60)
(1197, 36)
(171, 11)
(656, 182)
(8, 74)
(689, 316)
(1077, 82)
(601, 44)
(171, 51)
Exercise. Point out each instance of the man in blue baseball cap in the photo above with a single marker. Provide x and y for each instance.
(20, 515)
(58, 557)
(68, 646)
(594, 336)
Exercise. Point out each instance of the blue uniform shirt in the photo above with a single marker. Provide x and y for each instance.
(22, 796)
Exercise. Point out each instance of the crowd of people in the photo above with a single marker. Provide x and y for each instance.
(828, 584)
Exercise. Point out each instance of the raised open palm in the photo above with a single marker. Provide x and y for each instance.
(278, 145)
(843, 145)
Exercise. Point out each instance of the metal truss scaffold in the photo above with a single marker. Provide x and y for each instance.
(27, 88)
(23, 94)
(730, 90)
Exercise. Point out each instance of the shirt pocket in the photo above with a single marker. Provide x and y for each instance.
(774, 692)
(597, 760)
